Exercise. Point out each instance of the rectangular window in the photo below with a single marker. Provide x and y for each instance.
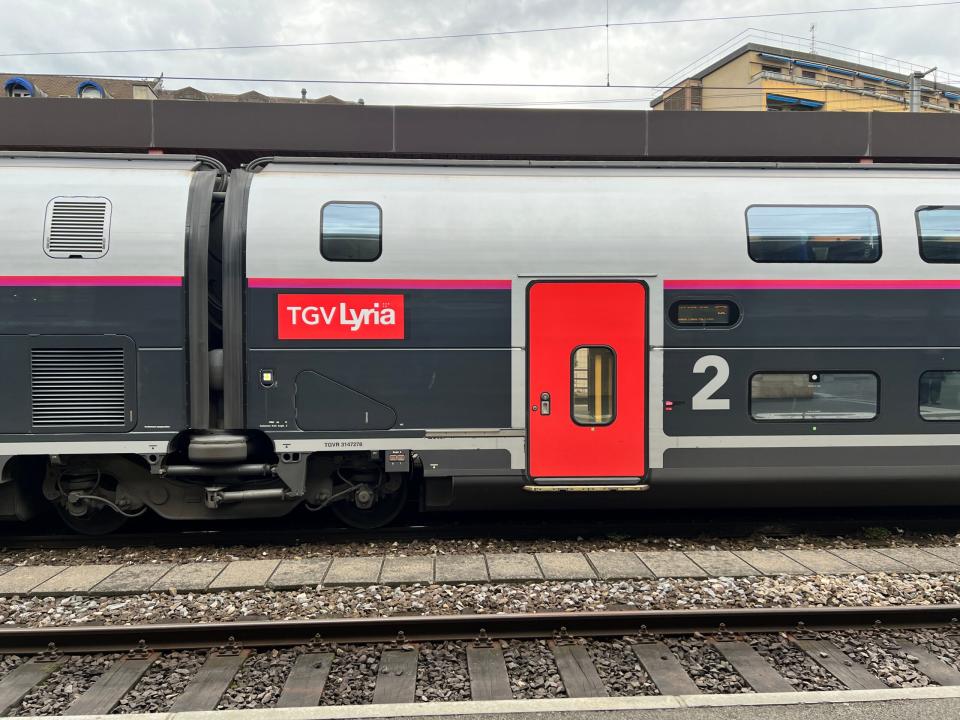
(771, 69)
(809, 74)
(593, 370)
(350, 231)
(813, 396)
(939, 231)
(940, 395)
(809, 233)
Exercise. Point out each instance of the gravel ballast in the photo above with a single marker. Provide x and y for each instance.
(162, 683)
(66, 684)
(211, 552)
(533, 671)
(376, 600)
(353, 676)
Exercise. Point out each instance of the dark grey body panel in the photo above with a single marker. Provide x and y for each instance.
(469, 462)
(727, 487)
(812, 457)
(162, 393)
(148, 322)
(898, 371)
(434, 319)
(155, 386)
(150, 316)
(424, 388)
(828, 318)
(451, 369)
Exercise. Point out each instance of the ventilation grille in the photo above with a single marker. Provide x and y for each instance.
(78, 388)
(77, 227)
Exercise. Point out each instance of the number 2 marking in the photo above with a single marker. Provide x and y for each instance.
(704, 399)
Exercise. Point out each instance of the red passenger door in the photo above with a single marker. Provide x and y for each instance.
(586, 379)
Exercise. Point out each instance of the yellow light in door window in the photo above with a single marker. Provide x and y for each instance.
(592, 385)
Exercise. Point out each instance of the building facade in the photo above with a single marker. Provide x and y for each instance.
(766, 78)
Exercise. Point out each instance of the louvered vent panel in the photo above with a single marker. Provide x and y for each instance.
(78, 387)
(77, 227)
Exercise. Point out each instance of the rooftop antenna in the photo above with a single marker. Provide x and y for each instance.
(608, 40)
(813, 38)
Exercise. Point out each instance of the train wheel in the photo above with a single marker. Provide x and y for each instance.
(372, 506)
(92, 521)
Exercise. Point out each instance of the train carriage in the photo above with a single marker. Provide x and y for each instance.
(103, 324)
(579, 334)
(488, 336)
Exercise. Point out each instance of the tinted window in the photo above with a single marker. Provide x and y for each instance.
(940, 395)
(939, 229)
(787, 233)
(813, 396)
(350, 232)
(706, 313)
(593, 383)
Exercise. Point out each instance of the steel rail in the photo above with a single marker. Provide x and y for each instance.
(170, 636)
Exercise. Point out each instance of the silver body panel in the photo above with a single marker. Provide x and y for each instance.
(476, 221)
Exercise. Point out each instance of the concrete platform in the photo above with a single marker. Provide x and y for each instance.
(476, 568)
(929, 703)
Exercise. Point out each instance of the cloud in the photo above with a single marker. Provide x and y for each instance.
(642, 55)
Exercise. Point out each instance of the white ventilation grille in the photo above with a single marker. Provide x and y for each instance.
(77, 227)
(78, 388)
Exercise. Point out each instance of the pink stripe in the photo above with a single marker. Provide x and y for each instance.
(811, 284)
(91, 280)
(382, 284)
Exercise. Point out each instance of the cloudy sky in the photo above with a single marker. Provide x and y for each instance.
(638, 55)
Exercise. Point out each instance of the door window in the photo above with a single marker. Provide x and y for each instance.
(593, 375)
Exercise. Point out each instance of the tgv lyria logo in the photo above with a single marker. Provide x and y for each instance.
(340, 317)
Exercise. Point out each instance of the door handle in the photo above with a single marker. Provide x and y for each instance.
(544, 403)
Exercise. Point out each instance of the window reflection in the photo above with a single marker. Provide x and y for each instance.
(940, 395)
(939, 229)
(350, 231)
(781, 233)
(813, 396)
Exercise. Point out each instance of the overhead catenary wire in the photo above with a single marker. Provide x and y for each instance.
(423, 83)
(489, 33)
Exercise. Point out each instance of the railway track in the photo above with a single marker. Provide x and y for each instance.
(321, 644)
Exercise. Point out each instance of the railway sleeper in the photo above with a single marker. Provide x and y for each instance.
(397, 672)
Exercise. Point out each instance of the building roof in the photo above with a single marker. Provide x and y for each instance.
(798, 55)
(62, 86)
(66, 85)
(192, 93)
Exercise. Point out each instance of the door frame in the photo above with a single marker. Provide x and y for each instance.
(646, 365)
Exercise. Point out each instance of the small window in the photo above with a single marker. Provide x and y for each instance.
(771, 69)
(809, 233)
(940, 395)
(813, 396)
(593, 385)
(350, 231)
(705, 313)
(90, 90)
(19, 87)
(809, 74)
(939, 231)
